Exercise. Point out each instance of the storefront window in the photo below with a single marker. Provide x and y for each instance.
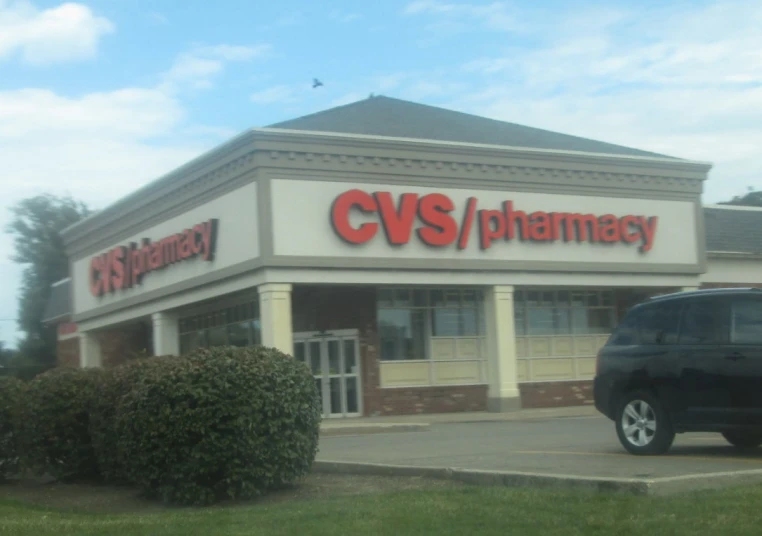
(408, 319)
(564, 312)
(236, 325)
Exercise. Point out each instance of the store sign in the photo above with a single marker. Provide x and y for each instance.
(431, 216)
(123, 267)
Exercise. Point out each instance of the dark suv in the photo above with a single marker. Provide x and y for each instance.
(685, 362)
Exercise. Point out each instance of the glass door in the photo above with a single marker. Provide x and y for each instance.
(334, 361)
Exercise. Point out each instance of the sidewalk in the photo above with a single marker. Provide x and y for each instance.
(417, 423)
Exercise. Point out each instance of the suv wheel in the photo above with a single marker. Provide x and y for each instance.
(743, 440)
(642, 424)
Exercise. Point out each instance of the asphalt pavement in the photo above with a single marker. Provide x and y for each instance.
(584, 446)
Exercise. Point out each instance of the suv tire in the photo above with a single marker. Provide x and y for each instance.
(743, 440)
(642, 424)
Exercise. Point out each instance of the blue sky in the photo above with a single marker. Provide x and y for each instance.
(99, 97)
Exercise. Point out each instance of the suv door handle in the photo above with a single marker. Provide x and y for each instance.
(735, 356)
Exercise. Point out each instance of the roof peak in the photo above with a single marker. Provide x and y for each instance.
(381, 115)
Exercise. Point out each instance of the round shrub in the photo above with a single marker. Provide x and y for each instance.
(11, 393)
(221, 423)
(113, 385)
(55, 423)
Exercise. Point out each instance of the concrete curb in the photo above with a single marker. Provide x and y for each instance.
(491, 478)
(655, 486)
(372, 428)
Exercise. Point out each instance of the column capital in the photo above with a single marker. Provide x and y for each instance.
(274, 287)
(503, 289)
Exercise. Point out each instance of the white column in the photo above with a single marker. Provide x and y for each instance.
(166, 334)
(503, 392)
(89, 350)
(275, 316)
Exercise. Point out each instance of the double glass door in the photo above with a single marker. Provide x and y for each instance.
(334, 359)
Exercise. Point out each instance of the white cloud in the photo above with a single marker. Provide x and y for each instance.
(99, 146)
(198, 68)
(157, 18)
(459, 16)
(275, 94)
(343, 17)
(681, 79)
(68, 32)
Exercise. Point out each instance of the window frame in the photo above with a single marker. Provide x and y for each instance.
(523, 306)
(220, 315)
(387, 297)
(731, 328)
(718, 302)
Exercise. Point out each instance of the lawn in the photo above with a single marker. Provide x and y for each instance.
(404, 508)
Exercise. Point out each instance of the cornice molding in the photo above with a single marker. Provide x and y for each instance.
(387, 160)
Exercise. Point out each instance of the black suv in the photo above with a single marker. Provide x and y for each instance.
(685, 362)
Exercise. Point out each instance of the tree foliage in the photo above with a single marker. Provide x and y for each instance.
(35, 226)
(749, 199)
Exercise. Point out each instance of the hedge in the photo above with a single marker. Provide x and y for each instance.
(114, 385)
(221, 423)
(55, 423)
(11, 393)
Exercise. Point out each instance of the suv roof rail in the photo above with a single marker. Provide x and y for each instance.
(720, 290)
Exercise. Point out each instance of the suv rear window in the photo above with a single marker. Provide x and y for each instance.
(746, 321)
(705, 321)
(648, 325)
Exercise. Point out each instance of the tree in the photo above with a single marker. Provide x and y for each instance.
(749, 199)
(35, 227)
(6, 355)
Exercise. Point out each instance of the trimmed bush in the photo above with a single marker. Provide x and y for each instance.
(221, 423)
(115, 384)
(11, 393)
(55, 423)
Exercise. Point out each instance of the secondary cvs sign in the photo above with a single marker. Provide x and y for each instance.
(125, 266)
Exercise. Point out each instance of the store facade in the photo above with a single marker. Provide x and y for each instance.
(411, 275)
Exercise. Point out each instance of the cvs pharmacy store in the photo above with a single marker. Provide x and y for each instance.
(417, 259)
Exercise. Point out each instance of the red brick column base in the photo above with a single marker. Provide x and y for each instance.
(556, 394)
(417, 400)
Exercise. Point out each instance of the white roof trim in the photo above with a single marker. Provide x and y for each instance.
(734, 207)
(479, 145)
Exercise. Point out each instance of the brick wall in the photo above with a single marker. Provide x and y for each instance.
(67, 352)
(416, 400)
(117, 346)
(316, 308)
(556, 394)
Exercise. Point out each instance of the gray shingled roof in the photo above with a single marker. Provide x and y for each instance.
(733, 230)
(385, 116)
(59, 303)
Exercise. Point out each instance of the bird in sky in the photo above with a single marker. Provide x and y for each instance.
(316, 83)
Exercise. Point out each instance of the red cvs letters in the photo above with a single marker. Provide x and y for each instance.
(431, 217)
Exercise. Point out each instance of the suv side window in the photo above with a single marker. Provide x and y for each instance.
(660, 323)
(705, 321)
(650, 324)
(626, 333)
(746, 321)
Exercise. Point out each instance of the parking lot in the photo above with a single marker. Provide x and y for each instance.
(574, 446)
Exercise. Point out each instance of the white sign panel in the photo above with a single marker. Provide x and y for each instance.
(216, 235)
(336, 219)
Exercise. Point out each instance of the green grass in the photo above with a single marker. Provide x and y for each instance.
(470, 510)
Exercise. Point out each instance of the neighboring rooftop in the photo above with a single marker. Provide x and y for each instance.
(385, 116)
(733, 229)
